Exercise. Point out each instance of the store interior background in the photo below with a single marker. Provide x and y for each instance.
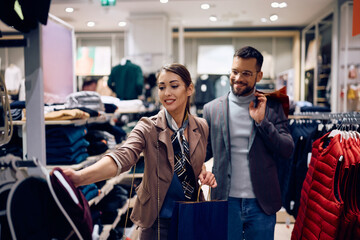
(309, 43)
(311, 46)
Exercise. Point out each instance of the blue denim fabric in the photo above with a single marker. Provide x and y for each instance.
(67, 159)
(246, 220)
(64, 135)
(61, 150)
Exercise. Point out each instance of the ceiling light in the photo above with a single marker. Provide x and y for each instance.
(275, 4)
(213, 18)
(69, 9)
(274, 17)
(205, 6)
(283, 5)
(122, 24)
(163, 1)
(90, 24)
(264, 20)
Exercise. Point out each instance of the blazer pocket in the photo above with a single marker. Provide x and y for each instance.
(142, 194)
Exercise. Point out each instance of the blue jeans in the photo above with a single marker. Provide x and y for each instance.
(246, 220)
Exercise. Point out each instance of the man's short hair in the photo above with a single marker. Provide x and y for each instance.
(250, 52)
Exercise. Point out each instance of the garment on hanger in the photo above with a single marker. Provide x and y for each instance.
(329, 197)
(126, 80)
(268, 66)
(13, 79)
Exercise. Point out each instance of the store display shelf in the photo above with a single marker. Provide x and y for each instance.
(109, 185)
(76, 122)
(121, 211)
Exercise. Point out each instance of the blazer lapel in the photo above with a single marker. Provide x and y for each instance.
(194, 136)
(165, 136)
(224, 112)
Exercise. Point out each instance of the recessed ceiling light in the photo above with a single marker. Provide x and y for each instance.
(69, 9)
(283, 5)
(263, 20)
(275, 4)
(122, 24)
(213, 18)
(205, 6)
(163, 1)
(278, 5)
(90, 24)
(274, 17)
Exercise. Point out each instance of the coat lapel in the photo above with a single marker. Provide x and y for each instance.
(165, 136)
(224, 112)
(194, 136)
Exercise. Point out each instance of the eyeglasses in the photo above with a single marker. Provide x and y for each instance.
(244, 74)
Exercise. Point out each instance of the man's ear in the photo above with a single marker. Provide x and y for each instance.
(259, 76)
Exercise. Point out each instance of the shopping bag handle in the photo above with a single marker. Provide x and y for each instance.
(198, 195)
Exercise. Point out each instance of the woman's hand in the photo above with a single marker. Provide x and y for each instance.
(73, 175)
(207, 178)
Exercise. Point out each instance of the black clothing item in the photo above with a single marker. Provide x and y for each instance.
(18, 105)
(32, 15)
(110, 108)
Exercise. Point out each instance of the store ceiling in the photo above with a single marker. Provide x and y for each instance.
(230, 13)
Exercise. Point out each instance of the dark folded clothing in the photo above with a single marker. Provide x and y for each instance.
(110, 108)
(64, 135)
(16, 114)
(75, 158)
(58, 150)
(95, 136)
(90, 191)
(118, 132)
(110, 203)
(96, 148)
(17, 104)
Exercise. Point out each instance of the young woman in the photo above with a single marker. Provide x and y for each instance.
(174, 146)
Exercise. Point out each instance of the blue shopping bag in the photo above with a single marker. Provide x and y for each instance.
(199, 220)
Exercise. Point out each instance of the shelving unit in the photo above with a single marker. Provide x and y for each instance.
(349, 56)
(319, 59)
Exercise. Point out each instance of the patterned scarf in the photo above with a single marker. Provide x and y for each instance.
(182, 166)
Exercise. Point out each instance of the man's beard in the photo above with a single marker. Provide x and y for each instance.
(243, 92)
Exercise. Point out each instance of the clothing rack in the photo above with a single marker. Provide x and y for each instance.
(355, 116)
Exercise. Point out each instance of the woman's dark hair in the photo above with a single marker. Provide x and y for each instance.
(250, 52)
(184, 74)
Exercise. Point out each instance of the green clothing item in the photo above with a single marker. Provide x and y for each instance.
(126, 81)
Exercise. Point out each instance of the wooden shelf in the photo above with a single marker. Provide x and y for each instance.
(322, 100)
(76, 122)
(321, 87)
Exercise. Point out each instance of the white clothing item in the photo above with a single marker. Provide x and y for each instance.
(13, 78)
(268, 66)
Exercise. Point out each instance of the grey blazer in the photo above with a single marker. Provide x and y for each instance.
(149, 134)
(269, 141)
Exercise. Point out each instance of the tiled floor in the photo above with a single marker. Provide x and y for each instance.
(282, 231)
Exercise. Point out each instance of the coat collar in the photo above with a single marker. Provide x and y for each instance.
(165, 135)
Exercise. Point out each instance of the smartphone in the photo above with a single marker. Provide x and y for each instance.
(256, 102)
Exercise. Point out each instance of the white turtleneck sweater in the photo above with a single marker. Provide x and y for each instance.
(240, 127)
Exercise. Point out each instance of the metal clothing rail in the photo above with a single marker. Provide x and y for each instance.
(354, 116)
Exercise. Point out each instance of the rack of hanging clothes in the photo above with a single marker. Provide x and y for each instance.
(38, 204)
(304, 128)
(329, 205)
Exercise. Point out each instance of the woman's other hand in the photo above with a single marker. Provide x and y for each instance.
(207, 178)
